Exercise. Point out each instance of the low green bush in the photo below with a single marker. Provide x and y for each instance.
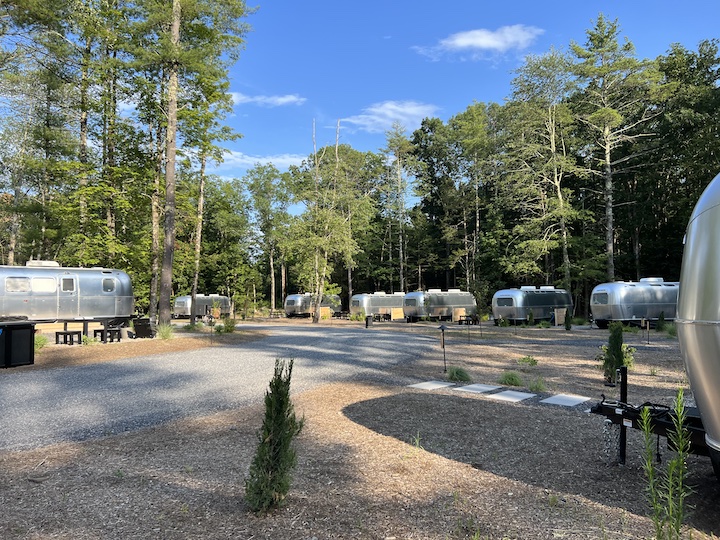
(510, 378)
(538, 385)
(165, 331)
(528, 361)
(40, 341)
(456, 374)
(228, 325)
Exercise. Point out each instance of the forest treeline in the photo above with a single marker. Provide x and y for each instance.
(113, 112)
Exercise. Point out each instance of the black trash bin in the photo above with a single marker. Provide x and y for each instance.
(368, 321)
(17, 344)
(143, 328)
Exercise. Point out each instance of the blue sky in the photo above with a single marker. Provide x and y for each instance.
(367, 64)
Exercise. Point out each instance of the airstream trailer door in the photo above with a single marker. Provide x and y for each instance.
(68, 296)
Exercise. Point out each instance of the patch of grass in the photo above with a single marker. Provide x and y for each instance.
(628, 329)
(197, 327)
(416, 442)
(528, 361)
(456, 374)
(538, 385)
(510, 378)
(41, 341)
(165, 331)
(544, 324)
(671, 330)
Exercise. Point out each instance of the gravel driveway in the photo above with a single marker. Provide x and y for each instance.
(83, 402)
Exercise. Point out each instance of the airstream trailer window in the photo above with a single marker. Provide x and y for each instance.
(43, 285)
(410, 302)
(17, 284)
(600, 298)
(290, 302)
(505, 302)
(355, 303)
(108, 284)
(67, 284)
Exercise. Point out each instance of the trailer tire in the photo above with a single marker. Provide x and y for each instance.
(602, 324)
(715, 460)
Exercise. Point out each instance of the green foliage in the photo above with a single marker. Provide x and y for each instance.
(505, 192)
(228, 325)
(271, 469)
(629, 329)
(165, 331)
(615, 353)
(531, 318)
(660, 324)
(510, 378)
(503, 322)
(40, 341)
(667, 489)
(528, 361)
(544, 324)
(456, 374)
(537, 385)
(568, 322)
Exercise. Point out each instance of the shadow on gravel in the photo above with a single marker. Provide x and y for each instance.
(550, 447)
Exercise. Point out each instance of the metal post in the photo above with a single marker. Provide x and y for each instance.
(442, 328)
(622, 375)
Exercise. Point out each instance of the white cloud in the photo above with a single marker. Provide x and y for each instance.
(268, 101)
(238, 160)
(379, 117)
(476, 42)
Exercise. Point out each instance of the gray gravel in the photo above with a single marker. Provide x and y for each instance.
(43, 407)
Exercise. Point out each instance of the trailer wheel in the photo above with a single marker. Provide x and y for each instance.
(715, 460)
(602, 324)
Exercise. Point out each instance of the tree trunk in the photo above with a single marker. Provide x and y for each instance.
(271, 255)
(610, 226)
(198, 235)
(170, 151)
(401, 224)
(83, 150)
(155, 216)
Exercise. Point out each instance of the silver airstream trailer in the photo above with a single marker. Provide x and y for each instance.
(377, 304)
(204, 305)
(440, 305)
(632, 302)
(698, 313)
(303, 305)
(516, 305)
(43, 291)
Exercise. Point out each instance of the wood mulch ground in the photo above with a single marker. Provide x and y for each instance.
(375, 461)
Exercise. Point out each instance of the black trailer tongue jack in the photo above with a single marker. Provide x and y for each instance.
(662, 418)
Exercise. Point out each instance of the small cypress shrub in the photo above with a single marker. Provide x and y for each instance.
(660, 324)
(275, 458)
(615, 353)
